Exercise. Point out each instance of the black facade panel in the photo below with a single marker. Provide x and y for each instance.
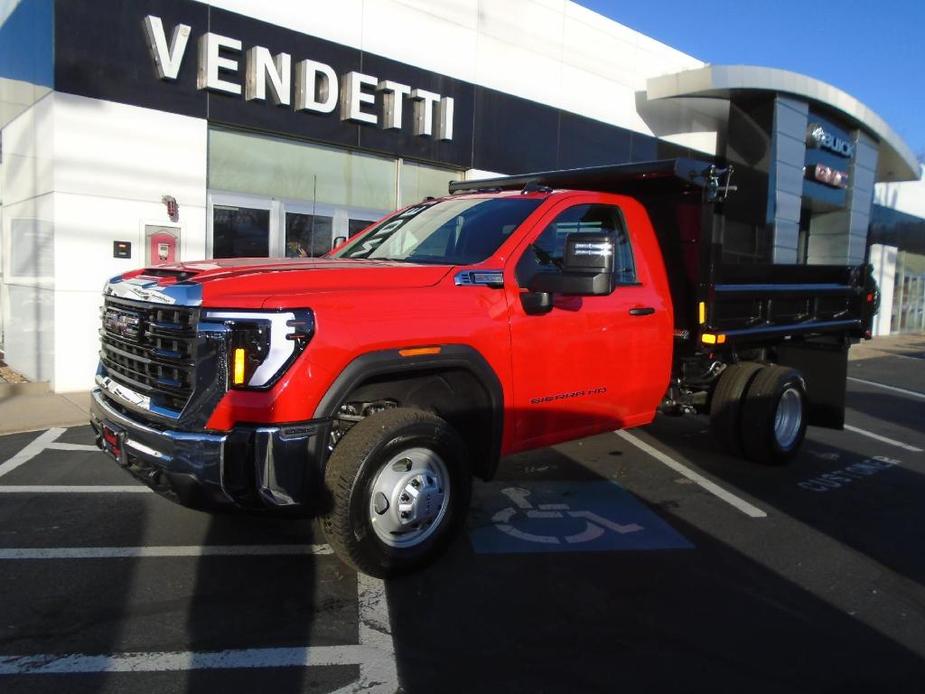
(587, 142)
(894, 228)
(230, 109)
(643, 148)
(100, 52)
(405, 143)
(669, 150)
(513, 135)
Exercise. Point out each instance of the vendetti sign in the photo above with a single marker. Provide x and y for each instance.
(258, 75)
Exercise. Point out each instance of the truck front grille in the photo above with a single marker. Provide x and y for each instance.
(150, 348)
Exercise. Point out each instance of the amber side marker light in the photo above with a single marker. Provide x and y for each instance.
(703, 312)
(711, 339)
(238, 372)
(419, 351)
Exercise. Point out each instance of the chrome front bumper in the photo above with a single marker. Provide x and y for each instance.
(266, 467)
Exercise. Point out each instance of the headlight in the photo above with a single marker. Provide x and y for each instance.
(263, 344)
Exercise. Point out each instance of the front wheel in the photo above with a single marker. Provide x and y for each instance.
(400, 487)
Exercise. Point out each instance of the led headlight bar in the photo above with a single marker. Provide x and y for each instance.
(263, 344)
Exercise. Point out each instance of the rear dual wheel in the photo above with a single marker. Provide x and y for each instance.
(759, 411)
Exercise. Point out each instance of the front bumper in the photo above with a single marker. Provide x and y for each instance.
(259, 467)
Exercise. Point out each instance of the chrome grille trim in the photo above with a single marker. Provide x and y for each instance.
(150, 350)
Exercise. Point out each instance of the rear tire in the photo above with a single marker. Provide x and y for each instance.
(774, 416)
(726, 404)
(400, 486)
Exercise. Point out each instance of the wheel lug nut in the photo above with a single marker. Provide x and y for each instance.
(415, 483)
(405, 498)
(404, 515)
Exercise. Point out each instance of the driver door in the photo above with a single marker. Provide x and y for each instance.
(582, 368)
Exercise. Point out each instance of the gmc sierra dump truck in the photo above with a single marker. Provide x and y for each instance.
(368, 386)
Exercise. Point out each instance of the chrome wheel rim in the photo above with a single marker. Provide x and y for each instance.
(789, 417)
(409, 498)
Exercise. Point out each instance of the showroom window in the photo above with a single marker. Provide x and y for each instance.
(276, 197)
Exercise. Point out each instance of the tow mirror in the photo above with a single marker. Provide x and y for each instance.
(586, 270)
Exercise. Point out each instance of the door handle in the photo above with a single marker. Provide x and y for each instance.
(642, 311)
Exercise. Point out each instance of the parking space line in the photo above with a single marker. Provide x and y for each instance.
(32, 449)
(730, 498)
(884, 439)
(72, 447)
(11, 553)
(378, 672)
(375, 653)
(74, 489)
(166, 661)
(910, 393)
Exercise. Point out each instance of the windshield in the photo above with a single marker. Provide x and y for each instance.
(444, 232)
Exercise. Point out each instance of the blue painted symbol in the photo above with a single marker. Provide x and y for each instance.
(565, 517)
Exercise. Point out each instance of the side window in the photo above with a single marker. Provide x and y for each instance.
(546, 253)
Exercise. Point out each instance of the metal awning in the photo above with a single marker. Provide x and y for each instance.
(896, 161)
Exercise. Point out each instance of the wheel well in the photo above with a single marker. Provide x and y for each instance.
(455, 394)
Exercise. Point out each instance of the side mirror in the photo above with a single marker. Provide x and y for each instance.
(338, 241)
(587, 268)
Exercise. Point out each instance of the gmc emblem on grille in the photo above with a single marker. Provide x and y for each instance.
(125, 325)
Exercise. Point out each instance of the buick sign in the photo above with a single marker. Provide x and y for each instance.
(817, 136)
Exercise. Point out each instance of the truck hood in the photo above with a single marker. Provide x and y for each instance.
(228, 277)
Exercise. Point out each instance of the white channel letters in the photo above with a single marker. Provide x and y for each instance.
(317, 88)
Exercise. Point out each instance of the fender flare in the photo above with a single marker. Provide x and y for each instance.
(451, 356)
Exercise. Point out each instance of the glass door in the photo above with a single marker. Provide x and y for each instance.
(309, 229)
(239, 227)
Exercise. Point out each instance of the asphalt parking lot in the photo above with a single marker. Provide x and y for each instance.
(637, 561)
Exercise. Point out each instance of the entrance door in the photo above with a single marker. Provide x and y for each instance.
(593, 363)
(240, 227)
(308, 235)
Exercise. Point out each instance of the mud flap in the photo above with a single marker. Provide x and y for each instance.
(824, 367)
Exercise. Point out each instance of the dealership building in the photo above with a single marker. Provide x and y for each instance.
(146, 132)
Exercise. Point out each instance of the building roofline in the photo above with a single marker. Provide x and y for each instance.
(896, 161)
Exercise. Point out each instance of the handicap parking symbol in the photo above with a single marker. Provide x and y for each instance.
(534, 517)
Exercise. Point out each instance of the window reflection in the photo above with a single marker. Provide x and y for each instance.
(308, 235)
(240, 232)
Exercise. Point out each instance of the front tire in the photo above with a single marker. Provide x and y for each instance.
(400, 486)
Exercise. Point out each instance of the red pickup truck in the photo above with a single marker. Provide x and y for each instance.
(367, 387)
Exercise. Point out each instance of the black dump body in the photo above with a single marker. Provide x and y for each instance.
(718, 307)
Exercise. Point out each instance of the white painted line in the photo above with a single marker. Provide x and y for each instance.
(884, 439)
(72, 447)
(378, 672)
(902, 356)
(165, 661)
(730, 498)
(37, 445)
(74, 489)
(910, 393)
(375, 653)
(160, 551)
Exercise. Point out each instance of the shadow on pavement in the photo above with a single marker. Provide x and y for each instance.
(707, 619)
(880, 514)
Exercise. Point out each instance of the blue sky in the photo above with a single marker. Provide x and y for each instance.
(875, 51)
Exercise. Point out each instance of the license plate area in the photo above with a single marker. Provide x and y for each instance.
(114, 443)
